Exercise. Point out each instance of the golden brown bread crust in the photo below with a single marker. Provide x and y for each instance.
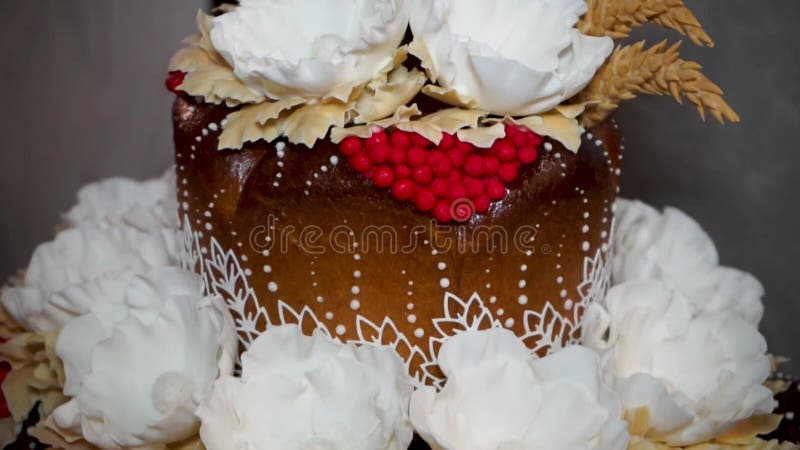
(235, 197)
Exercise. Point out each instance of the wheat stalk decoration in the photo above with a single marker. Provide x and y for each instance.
(616, 18)
(658, 70)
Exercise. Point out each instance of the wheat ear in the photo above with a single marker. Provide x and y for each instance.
(616, 18)
(658, 70)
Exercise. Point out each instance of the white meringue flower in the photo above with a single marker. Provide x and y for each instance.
(137, 369)
(506, 57)
(80, 268)
(499, 396)
(697, 374)
(298, 392)
(315, 49)
(672, 247)
(122, 201)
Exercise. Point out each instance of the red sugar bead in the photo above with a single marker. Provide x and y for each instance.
(442, 167)
(402, 172)
(350, 146)
(425, 200)
(456, 157)
(439, 187)
(400, 139)
(495, 190)
(504, 150)
(403, 190)
(434, 156)
(379, 153)
(519, 138)
(441, 212)
(455, 178)
(527, 155)
(361, 162)
(534, 140)
(507, 172)
(482, 204)
(474, 188)
(419, 140)
(175, 79)
(383, 177)
(422, 175)
(397, 156)
(456, 192)
(490, 166)
(417, 156)
(473, 166)
(377, 138)
(448, 141)
(464, 147)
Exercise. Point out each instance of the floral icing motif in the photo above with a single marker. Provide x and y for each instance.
(694, 375)
(301, 392)
(499, 396)
(127, 390)
(482, 57)
(672, 247)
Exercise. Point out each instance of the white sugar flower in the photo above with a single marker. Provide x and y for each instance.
(672, 247)
(82, 267)
(315, 49)
(697, 375)
(506, 57)
(137, 369)
(299, 392)
(499, 396)
(121, 228)
(122, 201)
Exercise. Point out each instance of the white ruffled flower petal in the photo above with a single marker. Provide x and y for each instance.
(310, 48)
(579, 66)
(298, 392)
(728, 289)
(492, 72)
(508, 57)
(645, 391)
(121, 228)
(499, 396)
(673, 248)
(572, 10)
(80, 268)
(697, 373)
(121, 201)
(137, 369)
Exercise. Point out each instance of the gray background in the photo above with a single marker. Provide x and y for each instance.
(82, 99)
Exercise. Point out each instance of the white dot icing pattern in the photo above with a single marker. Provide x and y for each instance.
(224, 275)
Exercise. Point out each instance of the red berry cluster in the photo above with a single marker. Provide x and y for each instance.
(175, 79)
(452, 180)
